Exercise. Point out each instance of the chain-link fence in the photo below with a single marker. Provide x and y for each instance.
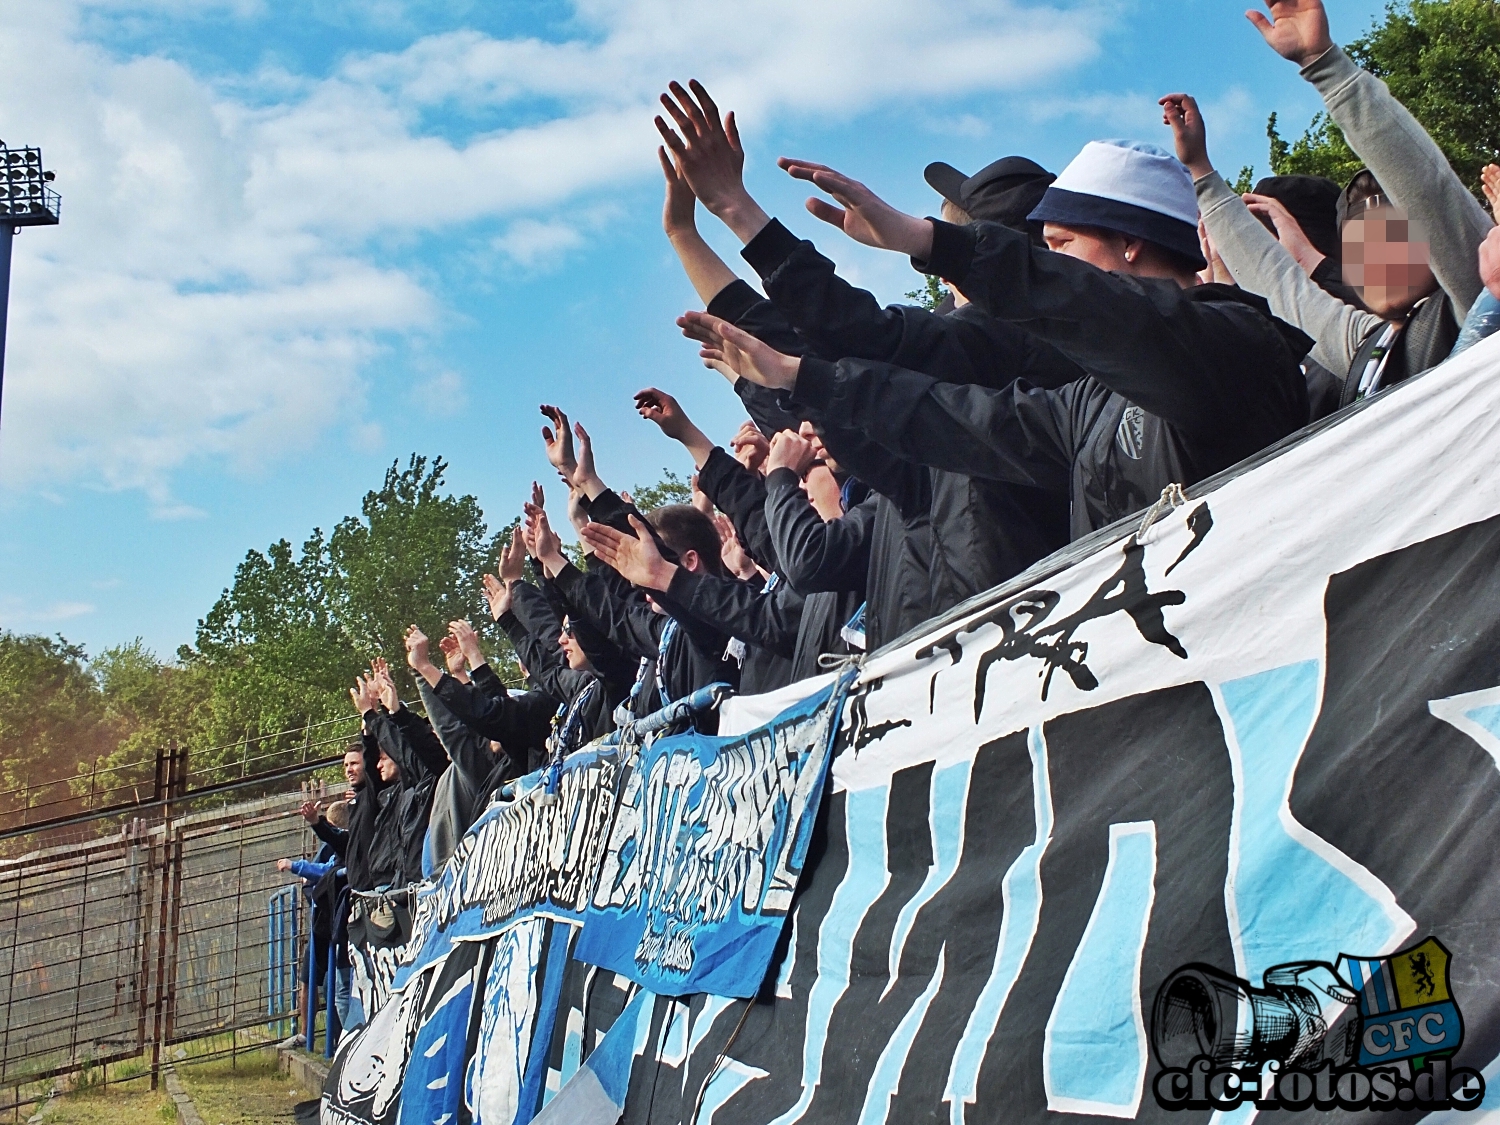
(136, 937)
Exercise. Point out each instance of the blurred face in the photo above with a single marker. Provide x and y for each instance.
(389, 770)
(354, 767)
(1386, 258)
(1101, 248)
(573, 652)
(823, 492)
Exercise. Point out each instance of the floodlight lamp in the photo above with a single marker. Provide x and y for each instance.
(25, 199)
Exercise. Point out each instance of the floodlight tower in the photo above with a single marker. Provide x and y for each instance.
(25, 201)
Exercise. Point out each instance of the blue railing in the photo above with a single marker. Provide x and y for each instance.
(282, 918)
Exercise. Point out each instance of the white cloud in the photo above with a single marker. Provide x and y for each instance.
(215, 291)
(17, 613)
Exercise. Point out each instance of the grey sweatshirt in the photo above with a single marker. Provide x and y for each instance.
(1409, 166)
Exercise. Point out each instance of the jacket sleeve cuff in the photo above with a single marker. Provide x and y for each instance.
(952, 252)
(816, 381)
(1330, 71)
(766, 252)
(734, 300)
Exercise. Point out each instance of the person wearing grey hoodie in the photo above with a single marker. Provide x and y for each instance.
(1405, 328)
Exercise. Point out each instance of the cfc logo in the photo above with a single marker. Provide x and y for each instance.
(1372, 1033)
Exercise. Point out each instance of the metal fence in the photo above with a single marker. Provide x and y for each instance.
(130, 939)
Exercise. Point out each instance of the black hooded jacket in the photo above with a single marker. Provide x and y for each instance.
(466, 786)
(389, 821)
(1182, 382)
(825, 562)
(983, 532)
(899, 554)
(519, 721)
(588, 698)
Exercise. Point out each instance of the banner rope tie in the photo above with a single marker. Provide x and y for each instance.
(1171, 497)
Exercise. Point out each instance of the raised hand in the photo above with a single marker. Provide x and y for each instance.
(584, 476)
(1216, 272)
(1189, 135)
(864, 216)
(791, 451)
(462, 634)
(750, 357)
(736, 560)
(1490, 181)
(538, 495)
(636, 559)
(698, 498)
(558, 439)
(661, 408)
(309, 811)
(750, 446)
(1489, 262)
(678, 211)
(453, 656)
(545, 545)
(364, 694)
(385, 685)
(1297, 29)
(708, 155)
(513, 557)
(1288, 231)
(577, 514)
(283, 865)
(497, 593)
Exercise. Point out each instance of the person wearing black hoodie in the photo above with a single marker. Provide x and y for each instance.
(805, 604)
(556, 659)
(1184, 379)
(977, 532)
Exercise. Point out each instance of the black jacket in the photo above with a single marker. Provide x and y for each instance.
(1183, 382)
(519, 721)
(897, 582)
(983, 532)
(827, 562)
(587, 698)
(466, 786)
(409, 740)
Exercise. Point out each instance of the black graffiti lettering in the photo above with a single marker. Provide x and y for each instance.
(1027, 630)
(1200, 522)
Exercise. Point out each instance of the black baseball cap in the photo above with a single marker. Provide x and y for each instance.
(1314, 202)
(1004, 192)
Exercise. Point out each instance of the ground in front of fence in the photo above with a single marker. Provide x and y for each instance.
(232, 1090)
(249, 1092)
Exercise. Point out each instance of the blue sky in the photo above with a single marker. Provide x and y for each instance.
(304, 239)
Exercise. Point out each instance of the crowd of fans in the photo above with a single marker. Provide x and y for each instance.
(1129, 324)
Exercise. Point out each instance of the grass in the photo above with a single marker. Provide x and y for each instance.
(243, 1091)
(132, 1104)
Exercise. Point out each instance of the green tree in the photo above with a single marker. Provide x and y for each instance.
(671, 489)
(52, 715)
(1441, 59)
(930, 296)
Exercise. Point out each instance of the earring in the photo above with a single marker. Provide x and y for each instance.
(1130, 255)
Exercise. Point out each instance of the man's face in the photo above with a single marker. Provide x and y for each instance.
(1088, 244)
(823, 492)
(577, 659)
(1386, 258)
(354, 767)
(389, 770)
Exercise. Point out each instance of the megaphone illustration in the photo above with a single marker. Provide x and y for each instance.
(1305, 1014)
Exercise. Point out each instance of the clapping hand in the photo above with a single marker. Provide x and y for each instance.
(365, 694)
(558, 439)
(462, 634)
(708, 156)
(453, 656)
(385, 684)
